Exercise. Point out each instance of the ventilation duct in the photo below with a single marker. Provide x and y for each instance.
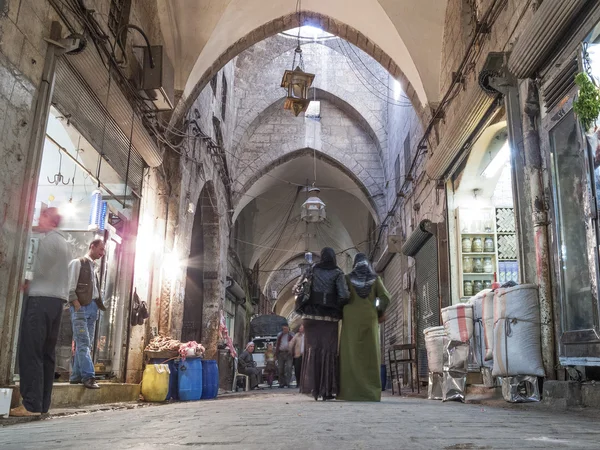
(459, 130)
(91, 67)
(418, 238)
(538, 39)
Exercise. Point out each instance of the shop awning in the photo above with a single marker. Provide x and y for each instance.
(95, 73)
(541, 35)
(458, 131)
(418, 238)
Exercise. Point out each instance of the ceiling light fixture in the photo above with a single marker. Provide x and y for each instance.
(297, 81)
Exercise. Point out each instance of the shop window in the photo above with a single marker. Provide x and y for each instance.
(118, 16)
(223, 96)
(568, 186)
(313, 111)
(213, 84)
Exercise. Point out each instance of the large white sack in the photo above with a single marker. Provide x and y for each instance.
(458, 321)
(517, 347)
(434, 343)
(487, 313)
(478, 341)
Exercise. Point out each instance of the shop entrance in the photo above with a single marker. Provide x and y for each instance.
(483, 234)
(74, 178)
(202, 265)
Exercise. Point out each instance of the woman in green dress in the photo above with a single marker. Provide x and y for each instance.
(360, 353)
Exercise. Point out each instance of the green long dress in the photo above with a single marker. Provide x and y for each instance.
(360, 353)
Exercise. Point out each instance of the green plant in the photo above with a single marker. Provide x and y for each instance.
(587, 104)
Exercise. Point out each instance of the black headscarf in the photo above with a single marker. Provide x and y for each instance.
(328, 260)
(362, 276)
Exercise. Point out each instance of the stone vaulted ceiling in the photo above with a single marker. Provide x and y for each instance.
(203, 35)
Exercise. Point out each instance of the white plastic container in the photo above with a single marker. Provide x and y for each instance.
(5, 398)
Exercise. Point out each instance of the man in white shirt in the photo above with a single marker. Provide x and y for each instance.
(46, 293)
(284, 356)
(84, 297)
(297, 349)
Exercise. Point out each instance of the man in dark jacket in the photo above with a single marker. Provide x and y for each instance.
(84, 296)
(284, 356)
(247, 366)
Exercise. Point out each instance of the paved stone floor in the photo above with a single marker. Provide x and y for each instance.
(278, 420)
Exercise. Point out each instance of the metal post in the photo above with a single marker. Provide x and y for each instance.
(526, 152)
(534, 176)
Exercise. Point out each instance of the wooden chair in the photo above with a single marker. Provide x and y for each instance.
(395, 354)
(236, 375)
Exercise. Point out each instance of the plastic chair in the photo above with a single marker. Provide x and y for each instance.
(396, 360)
(236, 375)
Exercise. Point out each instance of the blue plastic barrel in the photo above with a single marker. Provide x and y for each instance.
(190, 379)
(383, 377)
(210, 379)
(173, 377)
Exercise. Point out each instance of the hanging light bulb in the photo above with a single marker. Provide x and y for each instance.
(313, 209)
(70, 208)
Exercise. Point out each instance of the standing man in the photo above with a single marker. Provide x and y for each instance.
(46, 293)
(84, 296)
(284, 356)
(297, 350)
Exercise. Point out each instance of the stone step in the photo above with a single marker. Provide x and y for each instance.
(65, 395)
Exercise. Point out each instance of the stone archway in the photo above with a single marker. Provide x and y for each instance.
(201, 303)
(326, 23)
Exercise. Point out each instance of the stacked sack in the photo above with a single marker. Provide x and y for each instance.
(434, 343)
(481, 327)
(517, 348)
(458, 323)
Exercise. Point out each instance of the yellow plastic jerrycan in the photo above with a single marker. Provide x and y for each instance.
(155, 382)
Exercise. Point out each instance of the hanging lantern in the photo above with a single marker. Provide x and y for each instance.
(313, 209)
(297, 82)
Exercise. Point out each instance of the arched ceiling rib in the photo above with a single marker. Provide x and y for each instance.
(404, 35)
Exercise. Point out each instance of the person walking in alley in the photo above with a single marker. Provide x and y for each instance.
(297, 350)
(85, 300)
(321, 310)
(45, 294)
(284, 355)
(360, 356)
(270, 366)
(247, 366)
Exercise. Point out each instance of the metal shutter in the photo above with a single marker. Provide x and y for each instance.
(427, 295)
(74, 98)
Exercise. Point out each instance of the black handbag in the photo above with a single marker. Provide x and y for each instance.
(302, 290)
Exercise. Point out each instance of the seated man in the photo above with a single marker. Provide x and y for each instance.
(247, 366)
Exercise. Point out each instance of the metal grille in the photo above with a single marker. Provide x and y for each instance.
(118, 15)
(428, 308)
(74, 98)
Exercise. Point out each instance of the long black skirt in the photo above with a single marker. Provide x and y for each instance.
(320, 369)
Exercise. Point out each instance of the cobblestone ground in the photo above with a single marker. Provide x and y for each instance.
(281, 420)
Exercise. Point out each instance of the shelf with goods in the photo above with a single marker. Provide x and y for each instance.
(506, 245)
(476, 233)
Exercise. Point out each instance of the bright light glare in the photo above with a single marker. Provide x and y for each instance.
(171, 265)
(397, 90)
(500, 160)
(69, 209)
(308, 32)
